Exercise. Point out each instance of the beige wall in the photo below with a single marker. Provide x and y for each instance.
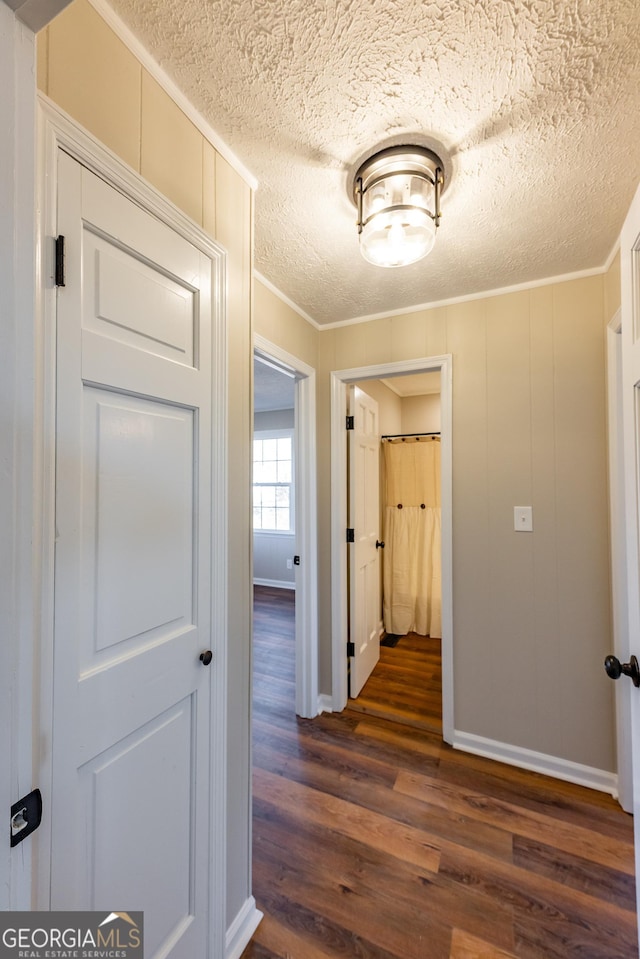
(531, 611)
(90, 73)
(403, 414)
(282, 326)
(421, 414)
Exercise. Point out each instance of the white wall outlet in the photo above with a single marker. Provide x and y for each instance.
(289, 564)
(523, 519)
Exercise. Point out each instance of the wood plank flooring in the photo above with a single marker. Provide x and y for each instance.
(374, 840)
(406, 685)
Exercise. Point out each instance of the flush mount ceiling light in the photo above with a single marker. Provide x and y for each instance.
(397, 192)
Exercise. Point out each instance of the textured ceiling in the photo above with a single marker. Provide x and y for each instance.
(272, 389)
(414, 384)
(535, 103)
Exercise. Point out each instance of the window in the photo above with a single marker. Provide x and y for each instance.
(273, 481)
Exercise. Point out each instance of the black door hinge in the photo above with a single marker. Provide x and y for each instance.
(351, 649)
(60, 277)
(296, 560)
(351, 536)
(350, 423)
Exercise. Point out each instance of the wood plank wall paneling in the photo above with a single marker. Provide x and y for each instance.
(375, 840)
(529, 428)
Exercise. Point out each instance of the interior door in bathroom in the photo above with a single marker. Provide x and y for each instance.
(364, 519)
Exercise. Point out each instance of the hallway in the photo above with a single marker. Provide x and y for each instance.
(373, 839)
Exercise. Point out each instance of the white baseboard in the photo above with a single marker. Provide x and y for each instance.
(241, 929)
(275, 583)
(537, 762)
(325, 703)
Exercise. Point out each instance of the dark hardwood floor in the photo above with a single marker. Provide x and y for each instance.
(406, 685)
(375, 840)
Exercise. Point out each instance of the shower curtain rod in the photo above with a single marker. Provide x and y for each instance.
(401, 436)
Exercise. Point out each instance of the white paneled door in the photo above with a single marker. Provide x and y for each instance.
(132, 697)
(364, 519)
(630, 273)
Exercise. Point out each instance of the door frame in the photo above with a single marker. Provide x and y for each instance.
(339, 604)
(306, 534)
(19, 588)
(618, 552)
(56, 131)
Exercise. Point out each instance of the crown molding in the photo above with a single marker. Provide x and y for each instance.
(483, 295)
(285, 299)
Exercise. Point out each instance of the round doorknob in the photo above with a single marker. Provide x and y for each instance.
(379, 545)
(206, 657)
(615, 669)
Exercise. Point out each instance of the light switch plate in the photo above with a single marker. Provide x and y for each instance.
(523, 519)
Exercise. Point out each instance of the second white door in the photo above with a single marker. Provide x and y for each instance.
(364, 519)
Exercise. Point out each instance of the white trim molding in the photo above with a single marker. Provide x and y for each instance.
(436, 304)
(553, 766)
(242, 928)
(470, 297)
(19, 588)
(339, 381)
(285, 299)
(306, 535)
(274, 583)
(325, 703)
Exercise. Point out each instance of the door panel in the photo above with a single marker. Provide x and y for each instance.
(155, 761)
(139, 490)
(132, 711)
(364, 517)
(135, 304)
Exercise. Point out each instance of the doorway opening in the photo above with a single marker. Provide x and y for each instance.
(401, 677)
(284, 502)
(340, 380)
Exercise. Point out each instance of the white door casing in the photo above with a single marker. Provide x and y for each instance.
(137, 756)
(339, 379)
(306, 600)
(19, 592)
(630, 278)
(364, 519)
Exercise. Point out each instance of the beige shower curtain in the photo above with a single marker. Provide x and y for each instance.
(412, 589)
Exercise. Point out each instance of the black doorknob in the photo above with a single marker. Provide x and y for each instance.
(615, 669)
(206, 657)
(379, 545)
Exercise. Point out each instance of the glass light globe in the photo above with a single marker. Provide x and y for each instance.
(397, 192)
(397, 238)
